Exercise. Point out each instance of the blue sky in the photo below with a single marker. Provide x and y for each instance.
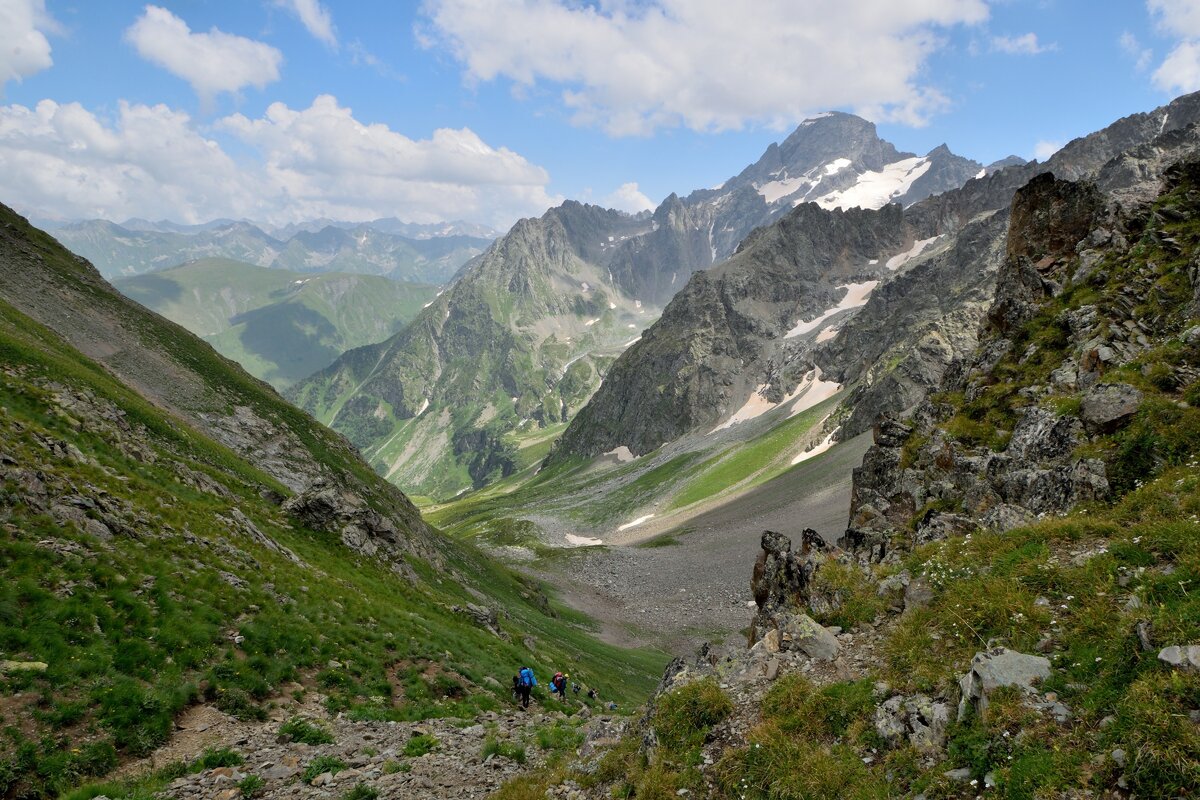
(279, 110)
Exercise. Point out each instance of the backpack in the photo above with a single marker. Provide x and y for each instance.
(527, 678)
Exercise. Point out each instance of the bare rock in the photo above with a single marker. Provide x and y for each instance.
(917, 719)
(1109, 406)
(996, 668)
(1184, 658)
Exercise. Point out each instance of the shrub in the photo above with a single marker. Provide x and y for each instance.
(304, 732)
(684, 717)
(321, 765)
(361, 791)
(510, 750)
(218, 757)
(251, 786)
(419, 745)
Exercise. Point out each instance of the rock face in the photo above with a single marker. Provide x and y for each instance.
(952, 473)
(995, 669)
(723, 338)
(526, 332)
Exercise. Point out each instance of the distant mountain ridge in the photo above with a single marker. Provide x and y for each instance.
(784, 311)
(527, 330)
(280, 325)
(388, 247)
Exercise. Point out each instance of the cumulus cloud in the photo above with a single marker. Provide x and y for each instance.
(24, 48)
(63, 161)
(1044, 149)
(1179, 19)
(627, 197)
(211, 62)
(1024, 45)
(315, 17)
(634, 67)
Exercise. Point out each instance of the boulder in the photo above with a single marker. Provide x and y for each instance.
(918, 719)
(7, 667)
(1184, 658)
(1109, 406)
(799, 632)
(996, 668)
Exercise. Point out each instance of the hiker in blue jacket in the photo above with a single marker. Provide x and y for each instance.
(525, 683)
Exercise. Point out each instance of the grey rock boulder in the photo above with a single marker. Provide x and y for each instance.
(1184, 658)
(919, 720)
(996, 668)
(799, 632)
(1109, 406)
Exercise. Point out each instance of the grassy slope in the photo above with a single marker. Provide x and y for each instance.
(157, 619)
(281, 326)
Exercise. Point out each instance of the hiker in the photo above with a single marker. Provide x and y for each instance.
(559, 682)
(575, 688)
(516, 688)
(525, 683)
(591, 693)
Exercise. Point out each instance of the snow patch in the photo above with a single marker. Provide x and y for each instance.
(632, 342)
(811, 391)
(873, 261)
(777, 190)
(591, 322)
(826, 334)
(856, 295)
(877, 189)
(981, 174)
(897, 261)
(612, 306)
(582, 541)
(822, 115)
(837, 165)
(585, 286)
(825, 444)
(423, 408)
(634, 523)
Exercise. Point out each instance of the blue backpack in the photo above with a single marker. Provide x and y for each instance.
(527, 678)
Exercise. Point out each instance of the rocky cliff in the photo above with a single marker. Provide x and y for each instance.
(935, 281)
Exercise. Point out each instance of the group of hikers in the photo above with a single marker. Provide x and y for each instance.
(524, 681)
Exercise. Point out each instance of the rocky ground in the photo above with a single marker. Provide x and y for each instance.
(680, 595)
(377, 755)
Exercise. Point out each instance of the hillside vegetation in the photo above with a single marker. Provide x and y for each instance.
(149, 567)
(280, 326)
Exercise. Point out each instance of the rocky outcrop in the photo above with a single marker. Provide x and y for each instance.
(780, 584)
(918, 720)
(1005, 449)
(998, 668)
(327, 507)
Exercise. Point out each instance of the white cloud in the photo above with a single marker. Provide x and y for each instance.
(1133, 49)
(63, 161)
(1179, 19)
(627, 197)
(1024, 45)
(315, 17)
(211, 62)
(1044, 149)
(1180, 71)
(634, 67)
(24, 49)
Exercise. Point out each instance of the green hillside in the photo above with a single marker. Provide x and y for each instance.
(281, 326)
(148, 567)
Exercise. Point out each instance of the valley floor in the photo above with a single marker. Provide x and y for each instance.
(676, 582)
